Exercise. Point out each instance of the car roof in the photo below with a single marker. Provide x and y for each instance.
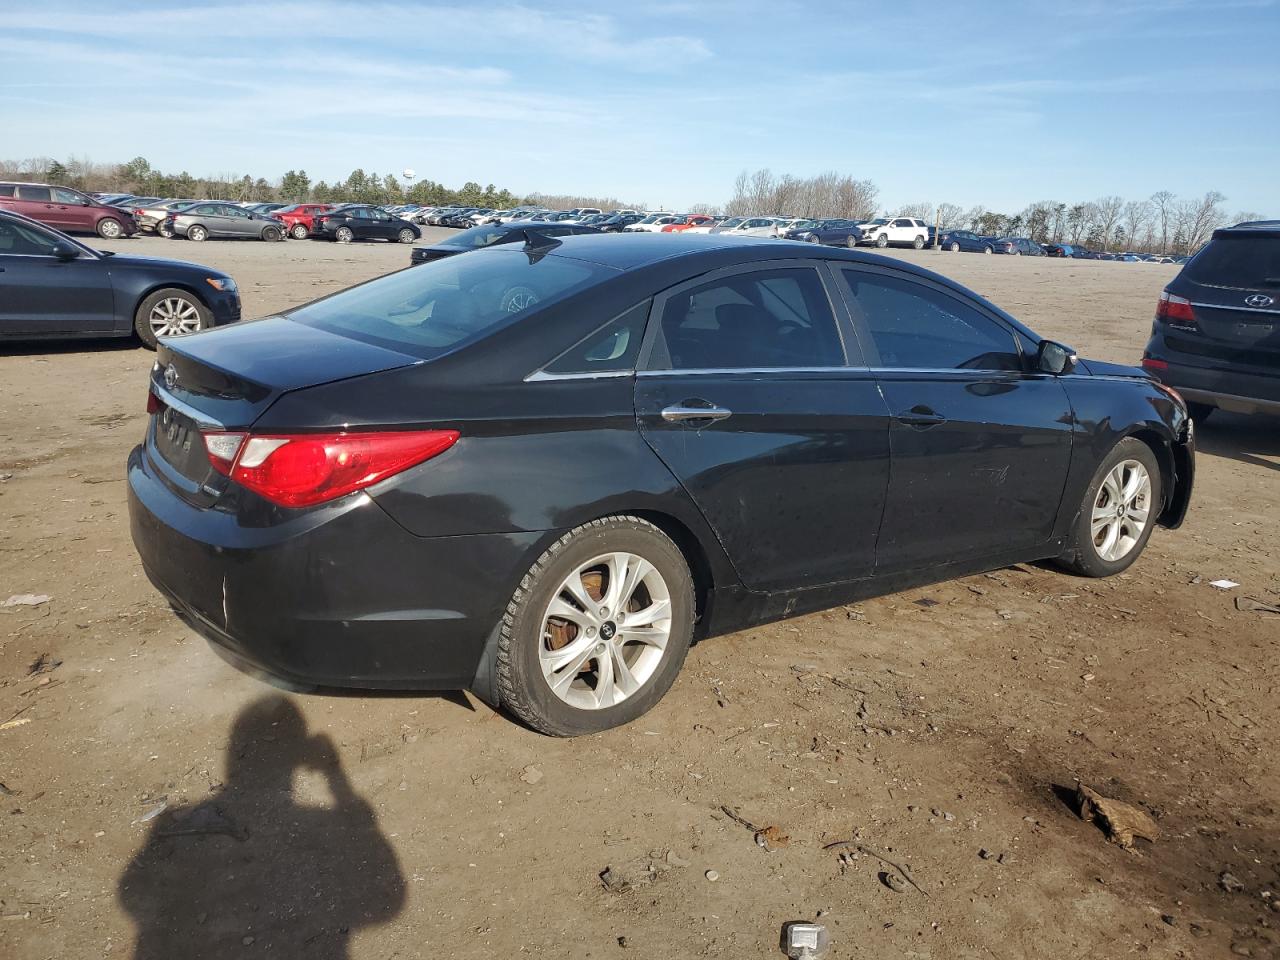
(1251, 228)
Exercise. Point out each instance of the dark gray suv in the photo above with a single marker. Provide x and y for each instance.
(1216, 336)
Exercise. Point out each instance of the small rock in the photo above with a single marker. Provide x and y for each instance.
(935, 811)
(984, 853)
(947, 816)
(712, 875)
(674, 859)
(893, 881)
(1228, 882)
(1169, 919)
(622, 942)
(247, 941)
(1087, 677)
(1197, 930)
(1241, 949)
(1004, 614)
(531, 775)
(1004, 858)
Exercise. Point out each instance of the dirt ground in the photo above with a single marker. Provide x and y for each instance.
(943, 737)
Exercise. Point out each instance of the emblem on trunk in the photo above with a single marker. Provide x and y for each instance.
(1259, 300)
(170, 376)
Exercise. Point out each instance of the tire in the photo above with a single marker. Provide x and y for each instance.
(588, 701)
(1200, 412)
(813, 238)
(955, 247)
(185, 311)
(987, 250)
(272, 234)
(298, 231)
(406, 236)
(1015, 252)
(197, 233)
(918, 243)
(882, 241)
(344, 235)
(1096, 521)
(163, 231)
(109, 228)
(851, 241)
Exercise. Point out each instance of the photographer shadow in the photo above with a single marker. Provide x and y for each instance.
(252, 867)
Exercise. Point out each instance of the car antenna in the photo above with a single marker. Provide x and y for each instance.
(538, 245)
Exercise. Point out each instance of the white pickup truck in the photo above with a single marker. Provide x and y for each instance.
(896, 231)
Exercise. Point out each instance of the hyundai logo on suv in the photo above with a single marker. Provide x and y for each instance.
(1259, 300)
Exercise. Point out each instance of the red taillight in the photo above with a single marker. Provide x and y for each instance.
(1151, 363)
(154, 403)
(301, 470)
(1175, 309)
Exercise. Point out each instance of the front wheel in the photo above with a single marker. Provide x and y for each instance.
(597, 629)
(813, 238)
(851, 241)
(955, 247)
(170, 312)
(1117, 514)
(882, 241)
(298, 231)
(272, 234)
(344, 235)
(987, 250)
(406, 236)
(110, 228)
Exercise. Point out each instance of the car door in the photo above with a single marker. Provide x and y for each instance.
(980, 442)
(240, 223)
(42, 295)
(70, 210)
(746, 395)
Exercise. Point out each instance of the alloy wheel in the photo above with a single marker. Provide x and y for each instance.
(605, 631)
(173, 317)
(110, 229)
(1121, 510)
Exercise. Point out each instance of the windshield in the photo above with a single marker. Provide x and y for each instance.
(1250, 263)
(428, 309)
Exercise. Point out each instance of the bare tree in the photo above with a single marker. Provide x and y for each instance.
(1205, 217)
(921, 210)
(827, 194)
(1137, 214)
(1244, 216)
(1162, 204)
(1107, 216)
(950, 216)
(972, 218)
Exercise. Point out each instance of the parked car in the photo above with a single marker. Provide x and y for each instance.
(355, 519)
(68, 210)
(967, 241)
(838, 233)
(746, 227)
(359, 221)
(653, 223)
(1018, 247)
(300, 219)
(151, 218)
(1216, 336)
(52, 286)
(204, 220)
(265, 207)
(897, 232)
(487, 235)
(619, 221)
(129, 202)
(688, 222)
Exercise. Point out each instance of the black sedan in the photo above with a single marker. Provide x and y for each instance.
(359, 221)
(619, 221)
(539, 470)
(836, 233)
(54, 286)
(487, 236)
(967, 241)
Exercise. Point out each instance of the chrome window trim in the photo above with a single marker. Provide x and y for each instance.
(700, 371)
(199, 416)
(541, 376)
(1223, 306)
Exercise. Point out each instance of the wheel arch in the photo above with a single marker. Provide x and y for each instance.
(138, 298)
(1175, 476)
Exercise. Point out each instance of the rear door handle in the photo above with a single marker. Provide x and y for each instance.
(688, 411)
(921, 417)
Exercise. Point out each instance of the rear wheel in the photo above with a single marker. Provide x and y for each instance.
(813, 238)
(272, 234)
(406, 236)
(597, 630)
(109, 228)
(169, 313)
(298, 231)
(164, 230)
(986, 250)
(918, 243)
(955, 247)
(344, 235)
(197, 233)
(1118, 512)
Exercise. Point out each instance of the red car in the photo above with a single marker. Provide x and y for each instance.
(65, 209)
(300, 219)
(693, 220)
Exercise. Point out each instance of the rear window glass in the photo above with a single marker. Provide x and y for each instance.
(6, 189)
(428, 309)
(1247, 262)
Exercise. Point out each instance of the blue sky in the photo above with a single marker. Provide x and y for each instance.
(665, 102)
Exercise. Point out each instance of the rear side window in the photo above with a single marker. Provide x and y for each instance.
(1251, 263)
(913, 326)
(6, 189)
(428, 309)
(611, 349)
(34, 193)
(765, 320)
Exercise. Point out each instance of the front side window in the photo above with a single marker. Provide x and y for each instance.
(431, 308)
(914, 326)
(69, 197)
(21, 239)
(765, 320)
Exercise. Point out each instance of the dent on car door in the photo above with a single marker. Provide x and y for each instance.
(41, 294)
(981, 444)
(748, 398)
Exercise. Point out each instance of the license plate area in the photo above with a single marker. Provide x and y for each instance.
(177, 439)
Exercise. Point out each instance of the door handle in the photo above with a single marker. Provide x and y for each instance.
(921, 416)
(693, 410)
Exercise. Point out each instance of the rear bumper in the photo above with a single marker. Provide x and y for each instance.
(341, 596)
(1222, 387)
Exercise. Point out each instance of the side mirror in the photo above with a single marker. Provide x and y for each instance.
(65, 251)
(1054, 358)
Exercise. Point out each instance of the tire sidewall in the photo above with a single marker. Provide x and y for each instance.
(106, 232)
(142, 326)
(298, 231)
(1083, 556)
(197, 233)
(344, 235)
(272, 235)
(406, 236)
(522, 625)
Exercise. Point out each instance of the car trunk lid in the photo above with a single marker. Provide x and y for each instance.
(1233, 286)
(226, 379)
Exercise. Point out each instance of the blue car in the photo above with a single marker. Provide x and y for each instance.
(833, 233)
(968, 242)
